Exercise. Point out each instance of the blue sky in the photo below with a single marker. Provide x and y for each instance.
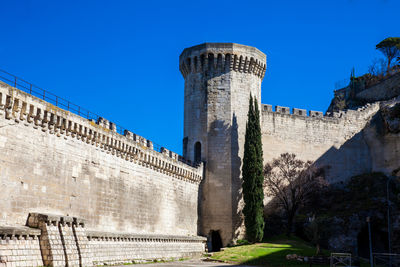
(120, 58)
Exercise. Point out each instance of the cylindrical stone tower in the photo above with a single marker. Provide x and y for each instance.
(219, 78)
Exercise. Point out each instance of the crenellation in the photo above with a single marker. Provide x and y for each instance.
(324, 135)
(217, 58)
(16, 108)
(282, 110)
(267, 108)
(8, 107)
(299, 112)
(313, 113)
(128, 134)
(296, 111)
(54, 123)
(24, 111)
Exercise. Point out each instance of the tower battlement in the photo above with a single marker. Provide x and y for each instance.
(219, 79)
(222, 58)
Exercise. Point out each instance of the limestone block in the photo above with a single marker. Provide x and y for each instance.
(282, 110)
(299, 112)
(313, 113)
(267, 107)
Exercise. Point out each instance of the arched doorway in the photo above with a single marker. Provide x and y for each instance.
(197, 152)
(216, 241)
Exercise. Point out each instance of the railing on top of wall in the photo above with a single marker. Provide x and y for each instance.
(47, 96)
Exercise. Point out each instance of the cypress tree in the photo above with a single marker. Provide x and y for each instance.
(252, 172)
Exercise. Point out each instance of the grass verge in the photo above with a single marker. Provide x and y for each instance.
(271, 253)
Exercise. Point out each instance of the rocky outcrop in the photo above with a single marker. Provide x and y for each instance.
(391, 117)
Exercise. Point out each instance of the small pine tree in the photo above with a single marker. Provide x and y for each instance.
(390, 47)
(252, 172)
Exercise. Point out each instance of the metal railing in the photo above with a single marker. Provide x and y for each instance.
(47, 96)
(57, 101)
(340, 259)
(386, 259)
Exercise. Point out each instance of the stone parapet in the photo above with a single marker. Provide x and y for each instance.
(56, 240)
(92, 234)
(222, 58)
(363, 111)
(331, 141)
(291, 111)
(119, 248)
(31, 111)
(19, 246)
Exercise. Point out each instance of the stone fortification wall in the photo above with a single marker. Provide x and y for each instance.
(383, 138)
(19, 246)
(113, 248)
(54, 240)
(335, 141)
(56, 162)
(384, 90)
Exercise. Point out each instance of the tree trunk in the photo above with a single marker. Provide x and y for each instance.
(318, 250)
(289, 225)
(388, 67)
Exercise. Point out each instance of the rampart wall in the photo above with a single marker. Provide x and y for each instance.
(54, 240)
(53, 161)
(334, 141)
(384, 90)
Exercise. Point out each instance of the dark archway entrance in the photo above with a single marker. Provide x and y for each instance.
(216, 241)
(197, 152)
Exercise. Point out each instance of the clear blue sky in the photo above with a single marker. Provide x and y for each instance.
(120, 58)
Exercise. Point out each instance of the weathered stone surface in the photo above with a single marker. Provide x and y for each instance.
(90, 172)
(219, 78)
(385, 90)
(19, 246)
(54, 162)
(333, 141)
(63, 241)
(113, 248)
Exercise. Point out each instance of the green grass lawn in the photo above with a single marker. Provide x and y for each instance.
(272, 253)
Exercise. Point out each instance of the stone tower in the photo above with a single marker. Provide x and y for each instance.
(219, 78)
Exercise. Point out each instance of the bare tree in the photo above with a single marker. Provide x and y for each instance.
(378, 67)
(292, 183)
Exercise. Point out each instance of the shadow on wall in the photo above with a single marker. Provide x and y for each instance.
(219, 136)
(237, 194)
(351, 158)
(226, 137)
(379, 240)
(363, 153)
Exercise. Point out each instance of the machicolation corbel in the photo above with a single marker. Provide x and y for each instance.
(131, 147)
